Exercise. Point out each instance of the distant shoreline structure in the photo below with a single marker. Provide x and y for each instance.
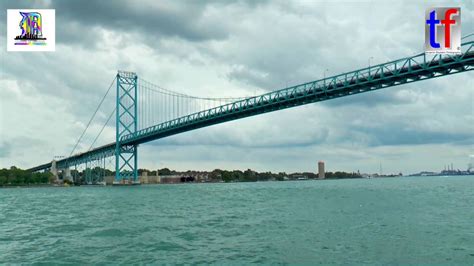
(444, 173)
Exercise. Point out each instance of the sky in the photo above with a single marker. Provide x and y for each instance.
(234, 49)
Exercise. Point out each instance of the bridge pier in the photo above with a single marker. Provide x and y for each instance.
(54, 170)
(67, 174)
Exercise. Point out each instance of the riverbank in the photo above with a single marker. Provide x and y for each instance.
(33, 186)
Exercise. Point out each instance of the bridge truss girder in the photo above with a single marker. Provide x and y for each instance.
(402, 71)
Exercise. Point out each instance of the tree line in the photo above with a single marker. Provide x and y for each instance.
(249, 175)
(253, 176)
(18, 177)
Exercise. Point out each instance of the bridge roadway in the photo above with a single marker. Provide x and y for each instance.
(402, 71)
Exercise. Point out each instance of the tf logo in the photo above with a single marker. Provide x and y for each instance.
(443, 30)
(30, 30)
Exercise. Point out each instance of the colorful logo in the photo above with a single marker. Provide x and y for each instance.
(30, 30)
(30, 26)
(443, 30)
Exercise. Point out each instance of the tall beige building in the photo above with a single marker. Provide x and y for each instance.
(321, 174)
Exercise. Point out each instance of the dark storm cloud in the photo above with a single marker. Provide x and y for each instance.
(17, 4)
(80, 22)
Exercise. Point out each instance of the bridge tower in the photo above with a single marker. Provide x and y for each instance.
(126, 123)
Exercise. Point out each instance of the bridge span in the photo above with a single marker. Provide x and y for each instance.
(130, 132)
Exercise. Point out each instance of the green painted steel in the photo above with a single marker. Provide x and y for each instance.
(126, 123)
(402, 71)
(398, 72)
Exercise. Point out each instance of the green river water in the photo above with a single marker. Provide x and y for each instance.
(405, 220)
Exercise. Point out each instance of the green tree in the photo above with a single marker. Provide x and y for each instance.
(165, 171)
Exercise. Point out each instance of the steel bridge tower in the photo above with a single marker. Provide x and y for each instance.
(126, 123)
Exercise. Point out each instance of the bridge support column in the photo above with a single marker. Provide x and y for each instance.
(88, 173)
(54, 170)
(67, 174)
(126, 123)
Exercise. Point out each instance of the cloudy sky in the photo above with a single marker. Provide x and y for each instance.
(232, 49)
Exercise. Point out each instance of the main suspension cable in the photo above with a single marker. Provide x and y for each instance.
(93, 115)
(102, 129)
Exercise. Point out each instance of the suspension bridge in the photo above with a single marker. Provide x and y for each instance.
(145, 112)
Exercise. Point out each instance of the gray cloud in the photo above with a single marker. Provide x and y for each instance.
(145, 21)
(181, 19)
(5, 150)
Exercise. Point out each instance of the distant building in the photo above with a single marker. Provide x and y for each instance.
(170, 179)
(146, 179)
(321, 173)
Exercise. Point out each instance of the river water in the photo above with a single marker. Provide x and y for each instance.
(415, 220)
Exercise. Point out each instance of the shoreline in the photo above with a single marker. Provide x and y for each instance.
(63, 186)
(31, 186)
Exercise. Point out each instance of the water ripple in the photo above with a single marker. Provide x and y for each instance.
(383, 221)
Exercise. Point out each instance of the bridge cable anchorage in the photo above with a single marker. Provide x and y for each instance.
(92, 118)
